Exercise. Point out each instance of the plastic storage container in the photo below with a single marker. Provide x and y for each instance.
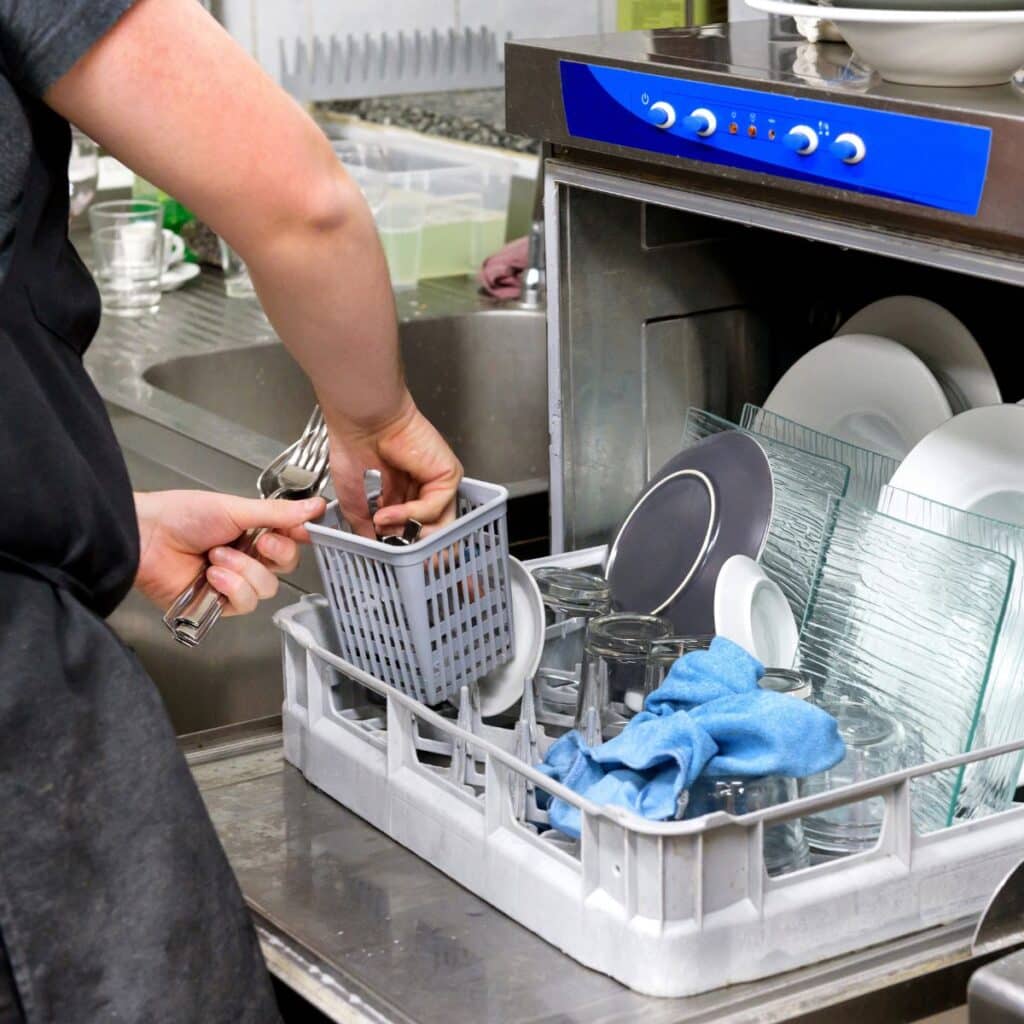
(669, 909)
(431, 617)
(464, 193)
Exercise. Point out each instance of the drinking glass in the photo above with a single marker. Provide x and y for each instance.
(665, 653)
(876, 744)
(571, 598)
(128, 246)
(400, 220)
(614, 673)
(785, 845)
(789, 681)
(237, 283)
(83, 173)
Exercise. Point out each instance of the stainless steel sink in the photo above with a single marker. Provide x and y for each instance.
(480, 377)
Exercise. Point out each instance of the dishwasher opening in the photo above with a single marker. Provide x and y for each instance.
(662, 309)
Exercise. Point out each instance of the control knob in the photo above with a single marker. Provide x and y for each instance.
(802, 140)
(849, 148)
(662, 115)
(701, 122)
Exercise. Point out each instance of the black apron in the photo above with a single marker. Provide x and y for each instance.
(116, 899)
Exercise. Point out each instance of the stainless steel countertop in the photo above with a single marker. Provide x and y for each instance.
(199, 318)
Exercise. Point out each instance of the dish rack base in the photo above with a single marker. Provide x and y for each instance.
(668, 909)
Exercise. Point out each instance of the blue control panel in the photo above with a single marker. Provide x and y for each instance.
(918, 160)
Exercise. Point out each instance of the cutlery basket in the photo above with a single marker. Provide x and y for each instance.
(431, 617)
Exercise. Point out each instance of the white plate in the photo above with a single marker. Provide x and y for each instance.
(940, 339)
(503, 686)
(974, 47)
(974, 462)
(178, 275)
(751, 610)
(868, 391)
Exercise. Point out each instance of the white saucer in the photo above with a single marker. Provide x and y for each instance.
(974, 462)
(503, 686)
(940, 339)
(174, 277)
(751, 610)
(868, 391)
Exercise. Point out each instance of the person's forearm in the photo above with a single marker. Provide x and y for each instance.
(347, 344)
(255, 168)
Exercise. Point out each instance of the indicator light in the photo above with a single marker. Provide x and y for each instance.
(771, 134)
(752, 131)
(733, 128)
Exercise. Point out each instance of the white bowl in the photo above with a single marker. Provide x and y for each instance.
(958, 48)
(965, 54)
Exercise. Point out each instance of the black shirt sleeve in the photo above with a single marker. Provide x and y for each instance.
(42, 39)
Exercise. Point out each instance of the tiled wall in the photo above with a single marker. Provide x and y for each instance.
(261, 25)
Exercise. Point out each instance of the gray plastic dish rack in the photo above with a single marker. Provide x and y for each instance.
(667, 908)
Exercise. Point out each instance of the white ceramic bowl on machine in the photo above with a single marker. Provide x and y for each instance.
(964, 47)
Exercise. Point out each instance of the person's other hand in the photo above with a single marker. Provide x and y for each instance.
(420, 473)
(180, 530)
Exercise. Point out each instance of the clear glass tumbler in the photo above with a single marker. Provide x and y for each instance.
(789, 681)
(128, 248)
(83, 173)
(876, 744)
(400, 218)
(237, 283)
(665, 653)
(785, 845)
(614, 674)
(572, 598)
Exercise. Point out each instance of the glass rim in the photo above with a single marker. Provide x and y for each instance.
(572, 585)
(116, 209)
(602, 637)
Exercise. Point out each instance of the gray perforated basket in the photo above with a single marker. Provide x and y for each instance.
(431, 617)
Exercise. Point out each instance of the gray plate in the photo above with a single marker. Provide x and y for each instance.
(706, 504)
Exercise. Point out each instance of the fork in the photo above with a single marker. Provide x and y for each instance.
(300, 471)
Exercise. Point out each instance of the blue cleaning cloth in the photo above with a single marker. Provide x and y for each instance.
(709, 717)
(703, 676)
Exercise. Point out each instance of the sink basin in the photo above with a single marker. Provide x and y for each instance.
(481, 378)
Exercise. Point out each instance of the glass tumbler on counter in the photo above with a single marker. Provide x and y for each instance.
(571, 598)
(400, 220)
(83, 173)
(237, 283)
(785, 845)
(128, 247)
(876, 744)
(614, 674)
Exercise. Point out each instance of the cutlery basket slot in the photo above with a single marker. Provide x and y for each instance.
(431, 617)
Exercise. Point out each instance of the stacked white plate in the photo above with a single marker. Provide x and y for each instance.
(896, 371)
(925, 42)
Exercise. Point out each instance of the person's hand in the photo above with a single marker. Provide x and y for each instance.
(180, 530)
(420, 473)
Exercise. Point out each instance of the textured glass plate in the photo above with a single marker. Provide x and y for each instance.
(869, 471)
(908, 618)
(987, 786)
(804, 485)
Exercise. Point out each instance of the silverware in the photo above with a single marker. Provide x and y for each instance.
(300, 471)
(373, 483)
